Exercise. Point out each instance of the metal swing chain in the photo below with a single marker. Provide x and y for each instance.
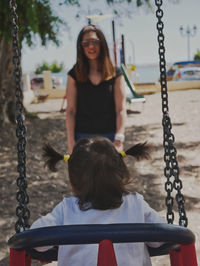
(172, 168)
(22, 211)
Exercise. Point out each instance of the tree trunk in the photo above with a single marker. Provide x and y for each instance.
(7, 83)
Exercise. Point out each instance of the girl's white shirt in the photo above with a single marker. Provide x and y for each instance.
(133, 210)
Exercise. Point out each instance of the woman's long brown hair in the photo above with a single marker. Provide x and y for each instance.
(105, 64)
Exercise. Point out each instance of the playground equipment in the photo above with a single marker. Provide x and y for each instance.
(23, 241)
(133, 97)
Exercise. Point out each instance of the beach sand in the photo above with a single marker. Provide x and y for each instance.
(143, 124)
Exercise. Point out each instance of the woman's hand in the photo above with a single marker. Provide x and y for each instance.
(42, 262)
(118, 145)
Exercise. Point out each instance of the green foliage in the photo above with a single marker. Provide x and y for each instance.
(36, 17)
(41, 68)
(54, 67)
(197, 55)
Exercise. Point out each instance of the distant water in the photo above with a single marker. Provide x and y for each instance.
(146, 74)
(142, 74)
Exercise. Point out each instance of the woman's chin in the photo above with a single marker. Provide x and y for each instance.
(92, 57)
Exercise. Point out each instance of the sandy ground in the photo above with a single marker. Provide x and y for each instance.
(143, 123)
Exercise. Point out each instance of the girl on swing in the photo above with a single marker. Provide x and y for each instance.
(99, 177)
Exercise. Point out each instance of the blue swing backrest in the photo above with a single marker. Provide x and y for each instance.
(94, 233)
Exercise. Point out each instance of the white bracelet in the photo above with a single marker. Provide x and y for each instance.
(120, 137)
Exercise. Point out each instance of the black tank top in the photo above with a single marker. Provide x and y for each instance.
(95, 112)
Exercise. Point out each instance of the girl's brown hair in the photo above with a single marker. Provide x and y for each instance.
(97, 171)
(105, 64)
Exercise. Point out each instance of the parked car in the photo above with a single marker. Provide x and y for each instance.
(187, 73)
(38, 82)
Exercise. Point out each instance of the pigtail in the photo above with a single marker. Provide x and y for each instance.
(140, 151)
(51, 157)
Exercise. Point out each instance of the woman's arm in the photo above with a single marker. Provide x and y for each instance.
(120, 108)
(71, 95)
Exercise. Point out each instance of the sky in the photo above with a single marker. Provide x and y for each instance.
(140, 34)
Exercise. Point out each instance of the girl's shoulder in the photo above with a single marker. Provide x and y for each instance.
(133, 198)
(69, 200)
(134, 195)
(70, 203)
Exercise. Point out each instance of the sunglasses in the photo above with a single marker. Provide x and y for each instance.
(94, 42)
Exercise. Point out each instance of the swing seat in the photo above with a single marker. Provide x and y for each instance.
(116, 233)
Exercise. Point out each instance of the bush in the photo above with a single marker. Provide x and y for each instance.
(54, 67)
(197, 56)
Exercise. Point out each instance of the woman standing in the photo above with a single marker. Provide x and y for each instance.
(95, 92)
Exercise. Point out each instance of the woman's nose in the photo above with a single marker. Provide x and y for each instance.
(91, 44)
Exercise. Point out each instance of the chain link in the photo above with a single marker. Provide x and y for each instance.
(171, 169)
(22, 211)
